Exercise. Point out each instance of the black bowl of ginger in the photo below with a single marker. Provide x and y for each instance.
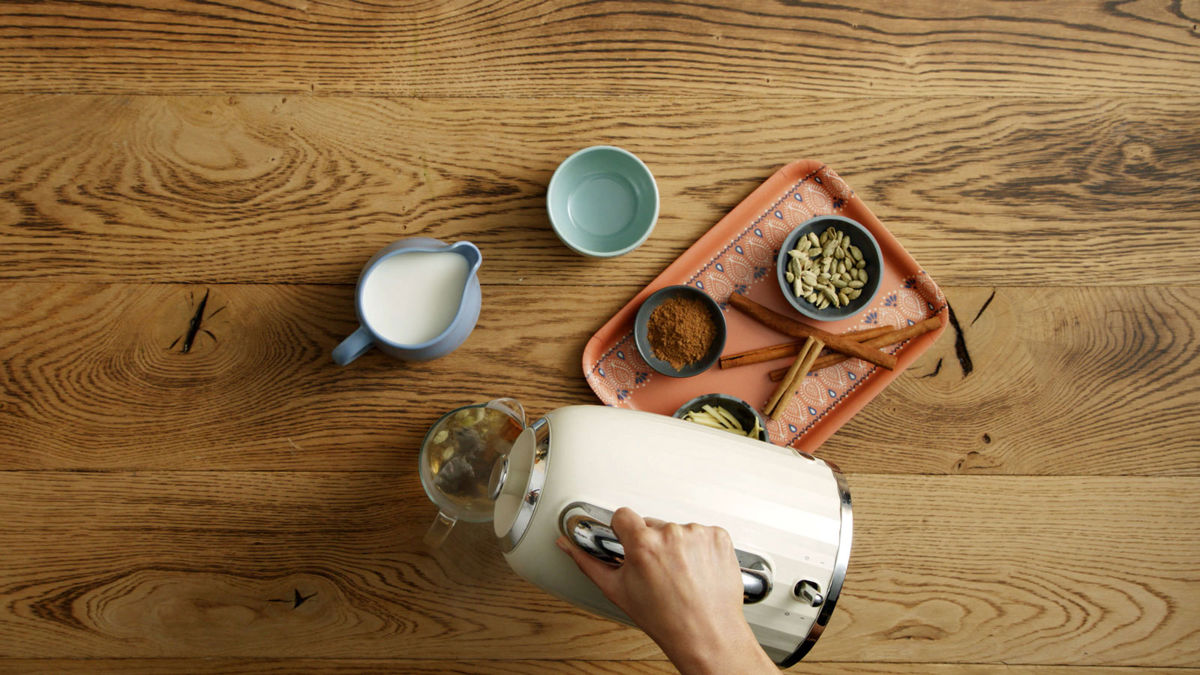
(679, 331)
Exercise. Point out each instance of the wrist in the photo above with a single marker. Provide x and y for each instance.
(737, 652)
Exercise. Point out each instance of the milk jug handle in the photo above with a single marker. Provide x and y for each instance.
(353, 347)
(439, 530)
(590, 528)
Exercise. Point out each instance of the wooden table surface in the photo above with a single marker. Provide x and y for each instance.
(220, 497)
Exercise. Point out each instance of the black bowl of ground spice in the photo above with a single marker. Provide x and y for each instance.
(680, 331)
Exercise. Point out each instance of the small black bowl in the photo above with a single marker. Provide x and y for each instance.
(743, 412)
(643, 342)
(860, 237)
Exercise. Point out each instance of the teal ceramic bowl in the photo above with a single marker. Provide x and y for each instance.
(602, 201)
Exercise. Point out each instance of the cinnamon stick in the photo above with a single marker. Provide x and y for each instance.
(788, 326)
(805, 348)
(861, 334)
(773, 352)
(891, 338)
(793, 383)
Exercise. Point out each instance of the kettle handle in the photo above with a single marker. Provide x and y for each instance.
(590, 528)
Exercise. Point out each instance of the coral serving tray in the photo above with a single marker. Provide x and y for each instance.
(738, 255)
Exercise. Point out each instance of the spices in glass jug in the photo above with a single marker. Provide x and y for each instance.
(680, 331)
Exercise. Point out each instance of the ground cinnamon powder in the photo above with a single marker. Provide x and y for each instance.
(680, 331)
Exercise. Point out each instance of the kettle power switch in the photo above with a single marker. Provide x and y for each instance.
(809, 592)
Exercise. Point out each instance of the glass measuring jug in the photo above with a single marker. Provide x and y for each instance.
(457, 458)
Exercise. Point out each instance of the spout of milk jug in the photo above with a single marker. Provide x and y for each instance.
(471, 253)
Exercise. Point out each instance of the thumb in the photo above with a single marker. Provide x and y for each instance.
(602, 575)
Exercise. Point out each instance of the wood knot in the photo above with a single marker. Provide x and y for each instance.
(975, 461)
(297, 598)
(1137, 153)
(195, 326)
(913, 630)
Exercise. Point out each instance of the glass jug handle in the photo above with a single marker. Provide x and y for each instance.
(440, 529)
(509, 406)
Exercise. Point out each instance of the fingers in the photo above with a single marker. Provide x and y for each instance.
(721, 538)
(602, 575)
(630, 526)
(636, 532)
(627, 524)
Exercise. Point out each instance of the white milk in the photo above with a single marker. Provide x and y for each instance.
(411, 298)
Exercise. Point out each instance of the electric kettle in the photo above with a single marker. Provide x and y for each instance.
(788, 513)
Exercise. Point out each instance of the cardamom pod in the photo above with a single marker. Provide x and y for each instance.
(844, 298)
(856, 253)
(789, 276)
(855, 284)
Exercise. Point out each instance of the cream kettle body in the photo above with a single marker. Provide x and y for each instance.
(788, 514)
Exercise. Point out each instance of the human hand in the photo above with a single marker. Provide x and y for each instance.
(680, 584)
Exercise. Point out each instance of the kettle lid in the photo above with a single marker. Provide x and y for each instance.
(516, 484)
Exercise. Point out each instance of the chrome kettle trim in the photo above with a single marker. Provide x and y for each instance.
(533, 490)
(840, 562)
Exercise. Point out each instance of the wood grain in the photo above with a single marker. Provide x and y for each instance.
(982, 191)
(1077, 381)
(224, 499)
(525, 667)
(971, 569)
(1094, 382)
(389, 666)
(534, 49)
